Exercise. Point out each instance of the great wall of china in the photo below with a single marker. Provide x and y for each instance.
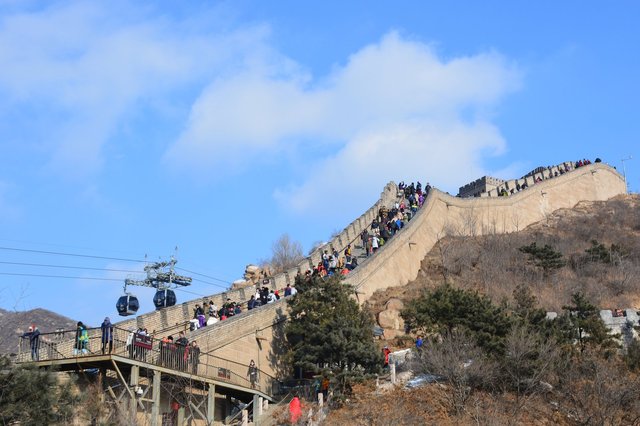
(255, 335)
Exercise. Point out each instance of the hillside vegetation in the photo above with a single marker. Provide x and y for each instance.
(480, 302)
(494, 264)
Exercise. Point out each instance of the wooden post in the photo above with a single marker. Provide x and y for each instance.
(392, 368)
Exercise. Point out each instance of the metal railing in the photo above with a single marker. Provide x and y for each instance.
(146, 349)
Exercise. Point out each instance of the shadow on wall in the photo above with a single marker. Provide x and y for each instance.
(278, 348)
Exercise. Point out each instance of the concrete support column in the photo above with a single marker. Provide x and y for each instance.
(211, 404)
(245, 418)
(392, 368)
(320, 400)
(135, 375)
(257, 409)
(155, 406)
(134, 379)
(265, 405)
(180, 416)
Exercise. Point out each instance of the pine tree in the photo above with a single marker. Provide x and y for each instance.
(327, 329)
(582, 323)
(599, 253)
(30, 396)
(544, 257)
(446, 309)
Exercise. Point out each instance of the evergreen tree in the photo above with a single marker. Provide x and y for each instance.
(544, 257)
(599, 253)
(30, 396)
(582, 323)
(526, 310)
(327, 329)
(447, 309)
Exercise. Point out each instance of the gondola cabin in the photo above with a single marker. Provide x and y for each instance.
(127, 305)
(164, 298)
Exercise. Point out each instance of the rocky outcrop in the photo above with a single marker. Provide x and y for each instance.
(391, 320)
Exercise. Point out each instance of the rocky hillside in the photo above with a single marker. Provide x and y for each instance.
(600, 247)
(593, 248)
(12, 324)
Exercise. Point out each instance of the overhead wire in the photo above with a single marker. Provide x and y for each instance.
(204, 275)
(59, 276)
(44, 265)
(57, 253)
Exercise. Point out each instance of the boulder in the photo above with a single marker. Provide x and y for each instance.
(391, 319)
(395, 304)
(252, 269)
(238, 284)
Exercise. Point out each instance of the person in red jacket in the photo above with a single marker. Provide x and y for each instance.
(386, 351)
(295, 410)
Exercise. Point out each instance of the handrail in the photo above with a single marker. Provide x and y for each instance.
(229, 419)
(153, 351)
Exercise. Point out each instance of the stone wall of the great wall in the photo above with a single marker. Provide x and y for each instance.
(398, 261)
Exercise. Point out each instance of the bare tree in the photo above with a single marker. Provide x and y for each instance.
(529, 359)
(602, 392)
(458, 361)
(285, 254)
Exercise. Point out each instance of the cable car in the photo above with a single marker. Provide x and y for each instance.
(127, 305)
(164, 298)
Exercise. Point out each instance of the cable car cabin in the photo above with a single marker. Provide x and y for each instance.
(127, 305)
(164, 298)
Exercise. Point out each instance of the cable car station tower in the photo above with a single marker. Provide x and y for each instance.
(162, 277)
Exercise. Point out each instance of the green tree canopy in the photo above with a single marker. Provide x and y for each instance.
(327, 329)
(30, 396)
(544, 257)
(581, 322)
(447, 308)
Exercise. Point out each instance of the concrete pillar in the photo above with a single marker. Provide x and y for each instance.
(265, 405)
(155, 407)
(211, 404)
(135, 375)
(257, 409)
(180, 416)
(245, 418)
(320, 400)
(392, 368)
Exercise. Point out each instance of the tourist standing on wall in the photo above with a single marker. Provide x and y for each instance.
(107, 334)
(82, 339)
(34, 341)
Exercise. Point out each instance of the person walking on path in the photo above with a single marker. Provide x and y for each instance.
(252, 373)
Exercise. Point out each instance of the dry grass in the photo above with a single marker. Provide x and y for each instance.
(493, 264)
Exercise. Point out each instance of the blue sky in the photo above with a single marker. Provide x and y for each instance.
(130, 128)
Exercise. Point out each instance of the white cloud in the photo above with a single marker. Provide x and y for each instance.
(395, 107)
(85, 67)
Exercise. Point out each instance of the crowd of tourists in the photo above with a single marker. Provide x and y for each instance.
(554, 171)
(387, 223)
